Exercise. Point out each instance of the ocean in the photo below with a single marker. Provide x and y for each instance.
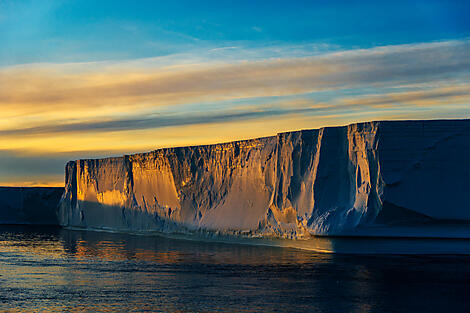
(48, 269)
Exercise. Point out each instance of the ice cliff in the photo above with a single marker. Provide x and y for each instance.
(324, 181)
(29, 205)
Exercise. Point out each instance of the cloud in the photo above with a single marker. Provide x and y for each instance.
(159, 92)
(16, 167)
(96, 85)
(151, 122)
(399, 100)
(430, 97)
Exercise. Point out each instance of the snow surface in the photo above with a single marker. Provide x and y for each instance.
(328, 181)
(29, 205)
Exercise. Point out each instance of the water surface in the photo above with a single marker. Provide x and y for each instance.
(54, 270)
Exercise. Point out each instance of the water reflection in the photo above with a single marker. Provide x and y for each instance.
(165, 250)
(54, 270)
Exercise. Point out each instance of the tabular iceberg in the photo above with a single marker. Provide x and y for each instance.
(29, 205)
(327, 181)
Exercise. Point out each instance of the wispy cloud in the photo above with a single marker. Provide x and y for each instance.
(96, 85)
(399, 101)
(157, 121)
(37, 97)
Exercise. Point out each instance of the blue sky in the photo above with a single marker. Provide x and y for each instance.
(77, 31)
(81, 79)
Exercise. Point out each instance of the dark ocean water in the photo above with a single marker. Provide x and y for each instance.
(55, 270)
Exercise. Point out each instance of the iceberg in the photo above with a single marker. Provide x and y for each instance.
(29, 205)
(330, 181)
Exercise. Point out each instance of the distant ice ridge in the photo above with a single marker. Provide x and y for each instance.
(328, 181)
(29, 205)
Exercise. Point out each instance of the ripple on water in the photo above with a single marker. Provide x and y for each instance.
(54, 270)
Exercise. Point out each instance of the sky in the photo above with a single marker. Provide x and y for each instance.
(87, 79)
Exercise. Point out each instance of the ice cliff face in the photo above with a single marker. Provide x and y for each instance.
(325, 181)
(29, 205)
